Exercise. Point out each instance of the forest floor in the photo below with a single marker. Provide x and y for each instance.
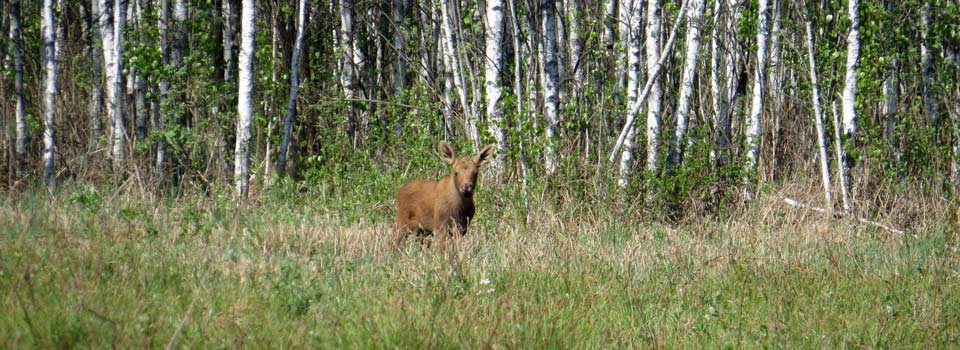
(92, 269)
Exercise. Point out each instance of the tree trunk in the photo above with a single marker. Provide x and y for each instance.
(634, 60)
(609, 21)
(756, 104)
(95, 105)
(139, 83)
(676, 152)
(891, 92)
(241, 170)
(350, 74)
(849, 121)
(655, 98)
(294, 87)
(164, 88)
(400, 10)
(49, 95)
(930, 101)
(718, 93)
(818, 119)
(575, 47)
(228, 33)
(493, 65)
(119, 130)
(551, 82)
(110, 65)
(20, 148)
(652, 77)
(451, 43)
(841, 168)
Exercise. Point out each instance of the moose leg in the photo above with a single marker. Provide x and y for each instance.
(398, 236)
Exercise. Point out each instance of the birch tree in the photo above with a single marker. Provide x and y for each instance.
(930, 100)
(891, 89)
(550, 81)
(139, 83)
(849, 98)
(400, 10)
(575, 46)
(119, 131)
(756, 105)
(350, 73)
(164, 84)
(227, 12)
(686, 85)
(609, 22)
(111, 61)
(451, 53)
(655, 98)
(634, 60)
(493, 65)
(95, 104)
(48, 30)
(20, 148)
(818, 119)
(294, 87)
(841, 168)
(241, 170)
(718, 93)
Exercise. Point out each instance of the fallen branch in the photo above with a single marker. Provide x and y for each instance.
(796, 203)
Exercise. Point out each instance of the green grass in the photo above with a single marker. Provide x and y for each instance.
(90, 269)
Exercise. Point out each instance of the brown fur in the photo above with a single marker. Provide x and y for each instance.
(443, 207)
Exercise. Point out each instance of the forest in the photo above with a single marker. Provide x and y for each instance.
(663, 174)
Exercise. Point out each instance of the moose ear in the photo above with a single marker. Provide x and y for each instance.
(446, 152)
(484, 154)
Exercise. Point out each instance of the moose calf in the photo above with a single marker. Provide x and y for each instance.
(442, 207)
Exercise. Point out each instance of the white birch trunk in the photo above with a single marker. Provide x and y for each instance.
(634, 60)
(891, 92)
(450, 51)
(753, 128)
(718, 93)
(49, 95)
(655, 98)
(493, 65)
(609, 21)
(575, 46)
(226, 9)
(139, 83)
(849, 122)
(930, 101)
(351, 72)
(241, 170)
(110, 64)
(652, 76)
(818, 119)
(841, 169)
(119, 130)
(624, 36)
(294, 87)
(551, 83)
(399, 44)
(850, 78)
(20, 147)
(732, 72)
(95, 105)
(158, 122)
(686, 83)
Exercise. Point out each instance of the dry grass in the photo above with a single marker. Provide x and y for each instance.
(134, 271)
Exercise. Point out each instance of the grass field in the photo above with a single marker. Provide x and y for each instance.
(92, 269)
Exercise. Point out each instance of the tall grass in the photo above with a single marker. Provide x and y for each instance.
(306, 268)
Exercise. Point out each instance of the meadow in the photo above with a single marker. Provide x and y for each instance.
(305, 268)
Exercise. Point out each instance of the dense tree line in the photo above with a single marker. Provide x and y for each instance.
(727, 92)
